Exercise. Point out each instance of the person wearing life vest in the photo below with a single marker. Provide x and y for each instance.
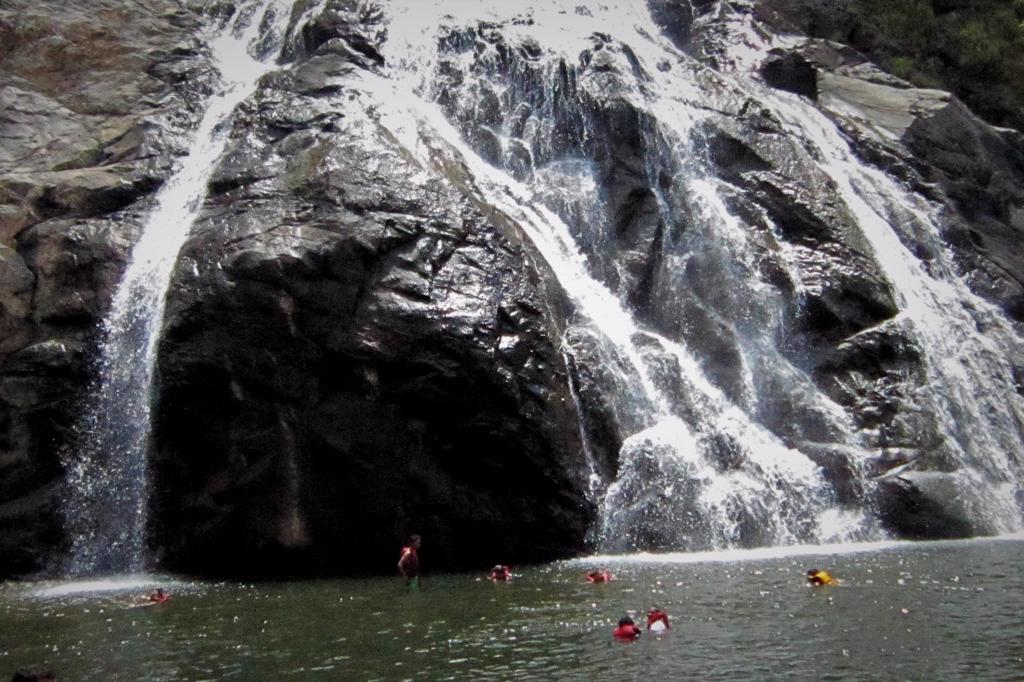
(657, 621)
(818, 577)
(500, 573)
(627, 630)
(602, 576)
(409, 561)
(158, 596)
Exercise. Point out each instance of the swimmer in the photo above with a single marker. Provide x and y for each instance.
(818, 577)
(627, 630)
(158, 596)
(657, 621)
(500, 573)
(602, 576)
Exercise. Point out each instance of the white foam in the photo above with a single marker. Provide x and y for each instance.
(782, 552)
(117, 583)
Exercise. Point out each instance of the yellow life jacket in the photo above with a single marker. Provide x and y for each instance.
(821, 578)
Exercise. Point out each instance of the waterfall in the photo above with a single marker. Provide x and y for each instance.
(706, 460)
(105, 509)
(966, 341)
(972, 384)
(587, 130)
(695, 471)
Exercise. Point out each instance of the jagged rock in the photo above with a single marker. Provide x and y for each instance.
(791, 72)
(676, 18)
(922, 505)
(981, 168)
(888, 107)
(839, 465)
(15, 300)
(932, 141)
(357, 354)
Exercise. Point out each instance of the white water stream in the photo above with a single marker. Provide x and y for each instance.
(105, 512)
(966, 341)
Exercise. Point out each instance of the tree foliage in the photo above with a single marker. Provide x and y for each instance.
(974, 48)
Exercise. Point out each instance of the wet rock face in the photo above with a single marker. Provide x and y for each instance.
(353, 352)
(924, 505)
(932, 143)
(791, 72)
(648, 218)
(928, 138)
(95, 97)
(981, 169)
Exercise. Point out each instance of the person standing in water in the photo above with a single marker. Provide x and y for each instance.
(409, 561)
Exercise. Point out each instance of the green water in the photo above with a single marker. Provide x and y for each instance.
(934, 611)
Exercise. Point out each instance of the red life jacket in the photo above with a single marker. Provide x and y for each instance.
(599, 577)
(654, 615)
(410, 561)
(501, 573)
(629, 631)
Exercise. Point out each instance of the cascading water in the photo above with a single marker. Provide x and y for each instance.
(712, 452)
(105, 509)
(694, 470)
(971, 384)
(966, 341)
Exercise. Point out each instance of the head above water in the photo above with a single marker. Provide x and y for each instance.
(415, 541)
(813, 571)
(625, 620)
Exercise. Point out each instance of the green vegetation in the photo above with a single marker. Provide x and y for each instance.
(974, 48)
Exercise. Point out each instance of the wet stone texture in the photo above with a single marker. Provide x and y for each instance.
(813, 276)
